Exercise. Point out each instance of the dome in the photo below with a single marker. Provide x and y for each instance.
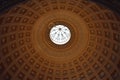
(59, 40)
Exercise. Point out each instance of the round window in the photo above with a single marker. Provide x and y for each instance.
(60, 34)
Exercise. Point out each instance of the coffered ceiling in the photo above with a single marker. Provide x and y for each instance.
(28, 53)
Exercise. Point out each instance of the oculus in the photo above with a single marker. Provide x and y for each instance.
(60, 34)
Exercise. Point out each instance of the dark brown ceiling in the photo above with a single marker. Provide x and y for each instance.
(111, 4)
(27, 53)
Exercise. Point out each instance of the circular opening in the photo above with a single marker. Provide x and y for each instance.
(60, 34)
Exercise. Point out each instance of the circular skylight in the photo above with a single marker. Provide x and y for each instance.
(60, 34)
